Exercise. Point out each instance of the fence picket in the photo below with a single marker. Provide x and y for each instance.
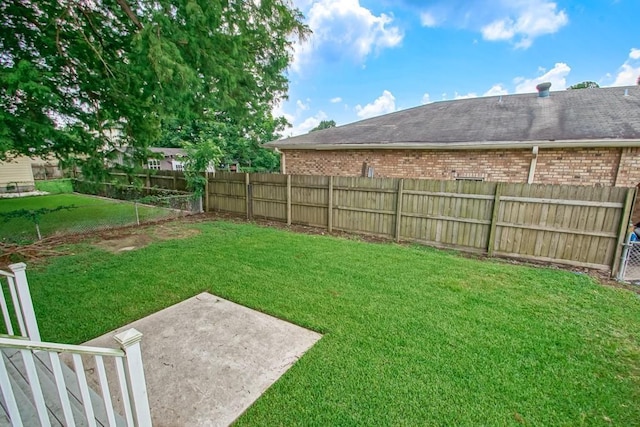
(566, 224)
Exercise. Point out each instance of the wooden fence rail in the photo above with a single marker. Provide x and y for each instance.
(573, 225)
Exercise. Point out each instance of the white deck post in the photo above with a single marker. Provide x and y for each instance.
(24, 297)
(129, 341)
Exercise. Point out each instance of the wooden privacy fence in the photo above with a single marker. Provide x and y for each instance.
(170, 180)
(573, 225)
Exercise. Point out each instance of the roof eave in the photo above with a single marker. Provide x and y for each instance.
(482, 145)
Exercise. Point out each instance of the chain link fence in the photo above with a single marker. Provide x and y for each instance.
(16, 188)
(101, 206)
(631, 268)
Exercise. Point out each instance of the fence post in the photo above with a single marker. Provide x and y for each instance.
(330, 213)
(288, 199)
(206, 191)
(399, 208)
(622, 232)
(24, 299)
(247, 194)
(129, 341)
(494, 219)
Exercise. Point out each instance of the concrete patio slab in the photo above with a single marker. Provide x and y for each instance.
(207, 359)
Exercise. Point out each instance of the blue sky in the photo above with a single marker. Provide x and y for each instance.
(367, 58)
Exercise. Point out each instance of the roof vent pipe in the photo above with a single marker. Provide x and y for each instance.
(543, 89)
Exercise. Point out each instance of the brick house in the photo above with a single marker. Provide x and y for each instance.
(577, 137)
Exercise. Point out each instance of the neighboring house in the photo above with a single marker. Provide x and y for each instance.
(169, 159)
(578, 137)
(172, 159)
(16, 175)
(46, 168)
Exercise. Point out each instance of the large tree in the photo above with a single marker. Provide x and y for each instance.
(79, 75)
(324, 124)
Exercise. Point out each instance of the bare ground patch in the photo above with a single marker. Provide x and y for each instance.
(113, 240)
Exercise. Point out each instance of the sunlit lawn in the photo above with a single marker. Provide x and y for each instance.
(85, 213)
(412, 336)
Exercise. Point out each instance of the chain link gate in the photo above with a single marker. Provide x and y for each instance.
(631, 267)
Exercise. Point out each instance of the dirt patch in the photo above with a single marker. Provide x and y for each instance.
(125, 243)
(113, 240)
(140, 237)
(169, 231)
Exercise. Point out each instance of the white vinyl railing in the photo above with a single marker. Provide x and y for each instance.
(124, 389)
(27, 325)
(54, 391)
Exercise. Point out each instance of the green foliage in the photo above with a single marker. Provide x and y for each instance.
(55, 186)
(32, 214)
(245, 149)
(412, 335)
(585, 85)
(87, 214)
(79, 78)
(200, 158)
(324, 124)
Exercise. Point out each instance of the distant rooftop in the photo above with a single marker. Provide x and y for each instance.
(598, 114)
(168, 151)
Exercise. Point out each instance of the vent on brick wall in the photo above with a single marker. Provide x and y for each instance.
(367, 171)
(469, 178)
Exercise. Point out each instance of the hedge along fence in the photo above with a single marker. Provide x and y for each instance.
(170, 180)
(572, 225)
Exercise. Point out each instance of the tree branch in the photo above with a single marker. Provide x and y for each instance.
(127, 9)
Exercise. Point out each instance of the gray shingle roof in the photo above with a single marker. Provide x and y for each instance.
(168, 151)
(570, 115)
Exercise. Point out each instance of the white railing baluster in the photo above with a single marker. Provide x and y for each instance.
(36, 389)
(104, 387)
(129, 340)
(5, 309)
(135, 401)
(84, 390)
(129, 371)
(7, 393)
(62, 389)
(16, 306)
(124, 391)
(26, 305)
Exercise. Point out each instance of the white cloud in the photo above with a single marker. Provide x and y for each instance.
(496, 90)
(336, 100)
(557, 76)
(526, 20)
(469, 95)
(307, 124)
(629, 72)
(428, 20)
(426, 98)
(344, 30)
(301, 105)
(278, 111)
(384, 104)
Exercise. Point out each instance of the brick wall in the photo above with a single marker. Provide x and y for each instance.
(491, 165)
(586, 166)
(578, 166)
(629, 175)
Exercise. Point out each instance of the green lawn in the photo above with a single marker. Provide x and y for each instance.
(89, 213)
(55, 186)
(412, 335)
